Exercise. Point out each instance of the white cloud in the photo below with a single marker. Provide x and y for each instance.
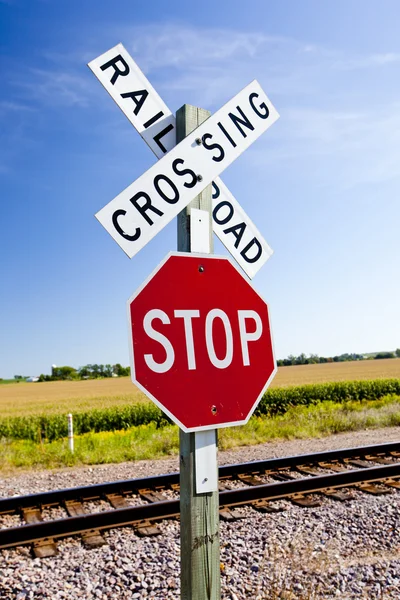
(343, 148)
(7, 107)
(206, 66)
(209, 64)
(177, 45)
(367, 62)
(52, 87)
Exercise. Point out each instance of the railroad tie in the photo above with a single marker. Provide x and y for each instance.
(41, 548)
(224, 484)
(117, 500)
(250, 479)
(335, 467)
(143, 528)
(357, 462)
(92, 538)
(281, 475)
(392, 483)
(305, 501)
(147, 529)
(372, 488)
(151, 495)
(308, 470)
(266, 506)
(380, 460)
(226, 514)
(340, 495)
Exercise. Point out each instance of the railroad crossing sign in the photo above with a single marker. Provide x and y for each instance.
(144, 208)
(201, 345)
(204, 358)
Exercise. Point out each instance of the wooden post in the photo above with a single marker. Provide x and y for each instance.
(189, 118)
(200, 562)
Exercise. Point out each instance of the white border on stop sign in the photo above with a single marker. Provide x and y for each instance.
(131, 350)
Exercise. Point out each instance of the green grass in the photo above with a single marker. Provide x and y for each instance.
(279, 400)
(141, 442)
(52, 427)
(276, 401)
(325, 418)
(149, 441)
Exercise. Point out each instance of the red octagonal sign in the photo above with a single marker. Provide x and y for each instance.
(201, 342)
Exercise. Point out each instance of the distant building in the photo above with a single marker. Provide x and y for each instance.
(30, 379)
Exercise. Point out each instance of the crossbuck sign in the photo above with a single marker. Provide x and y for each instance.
(138, 213)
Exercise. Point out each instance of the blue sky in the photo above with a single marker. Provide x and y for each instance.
(322, 185)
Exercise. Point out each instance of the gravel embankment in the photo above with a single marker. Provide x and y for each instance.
(338, 550)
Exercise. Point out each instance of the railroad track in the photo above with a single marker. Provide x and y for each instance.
(142, 503)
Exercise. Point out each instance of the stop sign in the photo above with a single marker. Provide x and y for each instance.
(201, 344)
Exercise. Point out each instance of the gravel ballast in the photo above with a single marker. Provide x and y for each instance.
(338, 550)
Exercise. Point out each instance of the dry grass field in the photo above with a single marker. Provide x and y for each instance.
(72, 396)
(345, 371)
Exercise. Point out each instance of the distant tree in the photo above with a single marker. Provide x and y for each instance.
(45, 377)
(121, 371)
(62, 373)
(398, 353)
(108, 371)
(95, 371)
(117, 369)
(313, 359)
(384, 355)
(301, 359)
(84, 372)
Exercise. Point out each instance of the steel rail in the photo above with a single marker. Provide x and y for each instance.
(91, 492)
(26, 534)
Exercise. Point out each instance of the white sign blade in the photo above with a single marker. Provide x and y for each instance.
(138, 213)
(237, 232)
(132, 91)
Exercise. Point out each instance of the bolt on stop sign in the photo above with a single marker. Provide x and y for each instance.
(201, 342)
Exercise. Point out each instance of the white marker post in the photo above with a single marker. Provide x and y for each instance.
(199, 498)
(70, 434)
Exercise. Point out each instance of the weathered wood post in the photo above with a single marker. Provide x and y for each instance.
(200, 562)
